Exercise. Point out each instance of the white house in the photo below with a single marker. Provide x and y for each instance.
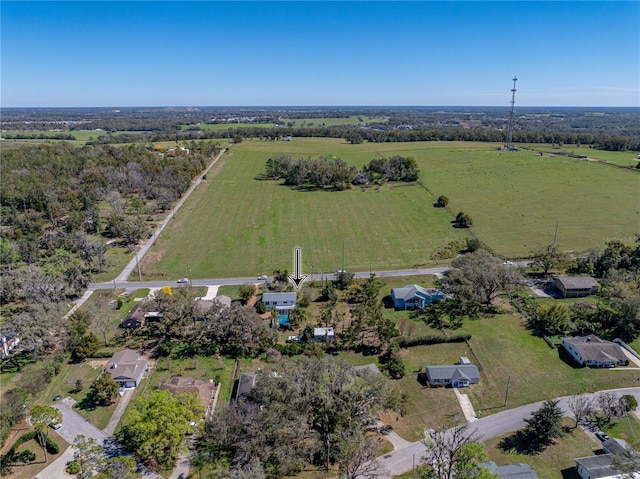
(126, 368)
(9, 342)
(322, 334)
(282, 302)
(594, 351)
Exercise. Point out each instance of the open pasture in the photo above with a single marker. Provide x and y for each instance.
(620, 158)
(236, 225)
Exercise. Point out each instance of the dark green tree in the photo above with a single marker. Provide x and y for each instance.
(545, 424)
(104, 390)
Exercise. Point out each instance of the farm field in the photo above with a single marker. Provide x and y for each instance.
(620, 158)
(225, 126)
(236, 225)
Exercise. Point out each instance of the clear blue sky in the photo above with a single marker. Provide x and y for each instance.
(319, 53)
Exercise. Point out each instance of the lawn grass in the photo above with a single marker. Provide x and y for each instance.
(64, 384)
(627, 428)
(555, 462)
(31, 470)
(236, 225)
(507, 352)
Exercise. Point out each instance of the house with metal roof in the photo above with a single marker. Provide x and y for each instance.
(575, 286)
(602, 466)
(455, 375)
(414, 296)
(594, 351)
(324, 334)
(126, 368)
(511, 471)
(598, 467)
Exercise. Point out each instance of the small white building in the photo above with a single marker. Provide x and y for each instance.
(324, 334)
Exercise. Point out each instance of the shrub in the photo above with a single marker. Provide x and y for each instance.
(405, 342)
(260, 307)
(73, 467)
(442, 201)
(26, 456)
(630, 402)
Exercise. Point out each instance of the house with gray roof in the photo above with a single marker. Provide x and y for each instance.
(414, 296)
(455, 375)
(511, 471)
(126, 368)
(204, 305)
(601, 466)
(594, 351)
(575, 286)
(324, 334)
(135, 318)
(283, 302)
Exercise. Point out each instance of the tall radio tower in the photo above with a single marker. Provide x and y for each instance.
(509, 146)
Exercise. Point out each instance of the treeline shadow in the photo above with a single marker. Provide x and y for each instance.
(521, 442)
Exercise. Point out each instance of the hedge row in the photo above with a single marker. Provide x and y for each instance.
(10, 456)
(405, 342)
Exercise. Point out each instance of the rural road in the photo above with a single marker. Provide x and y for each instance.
(126, 272)
(403, 460)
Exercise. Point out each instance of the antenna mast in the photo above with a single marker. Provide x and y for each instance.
(509, 146)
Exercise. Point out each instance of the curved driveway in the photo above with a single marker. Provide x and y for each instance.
(504, 422)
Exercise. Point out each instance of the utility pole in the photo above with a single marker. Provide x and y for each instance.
(138, 264)
(555, 236)
(343, 255)
(506, 395)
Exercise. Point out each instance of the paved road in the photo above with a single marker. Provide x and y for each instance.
(403, 460)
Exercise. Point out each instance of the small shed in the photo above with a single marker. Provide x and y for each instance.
(323, 334)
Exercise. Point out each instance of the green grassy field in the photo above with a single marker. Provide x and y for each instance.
(505, 352)
(620, 158)
(235, 225)
(226, 126)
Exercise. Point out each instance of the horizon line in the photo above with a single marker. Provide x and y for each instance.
(311, 106)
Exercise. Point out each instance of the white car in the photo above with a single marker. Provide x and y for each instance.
(262, 277)
(508, 263)
(183, 280)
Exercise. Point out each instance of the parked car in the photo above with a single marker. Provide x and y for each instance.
(262, 277)
(602, 436)
(508, 263)
(183, 280)
(57, 397)
(292, 339)
(55, 425)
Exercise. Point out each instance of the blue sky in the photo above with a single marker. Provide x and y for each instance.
(319, 53)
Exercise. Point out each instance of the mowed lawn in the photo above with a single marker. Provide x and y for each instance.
(505, 352)
(236, 225)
